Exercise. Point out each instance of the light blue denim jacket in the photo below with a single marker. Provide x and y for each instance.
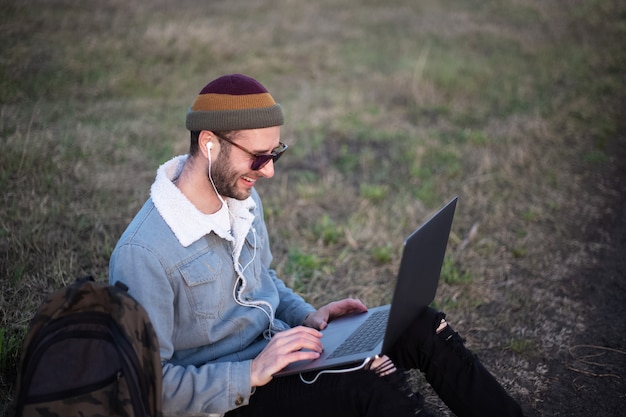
(184, 267)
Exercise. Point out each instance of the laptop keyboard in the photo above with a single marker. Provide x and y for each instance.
(365, 337)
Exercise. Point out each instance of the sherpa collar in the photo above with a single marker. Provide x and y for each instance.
(187, 222)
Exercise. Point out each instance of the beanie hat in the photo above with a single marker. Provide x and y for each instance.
(234, 102)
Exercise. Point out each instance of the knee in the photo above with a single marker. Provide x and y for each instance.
(429, 322)
(435, 337)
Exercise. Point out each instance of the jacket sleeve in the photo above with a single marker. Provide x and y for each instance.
(292, 308)
(214, 387)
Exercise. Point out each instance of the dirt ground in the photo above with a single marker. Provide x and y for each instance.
(580, 368)
(589, 380)
(585, 376)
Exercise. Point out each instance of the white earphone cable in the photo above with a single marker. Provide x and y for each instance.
(335, 371)
(237, 295)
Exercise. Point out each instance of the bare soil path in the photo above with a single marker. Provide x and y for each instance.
(590, 380)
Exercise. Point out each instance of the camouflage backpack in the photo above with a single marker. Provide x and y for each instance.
(90, 350)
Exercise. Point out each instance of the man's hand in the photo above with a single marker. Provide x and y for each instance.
(285, 348)
(320, 318)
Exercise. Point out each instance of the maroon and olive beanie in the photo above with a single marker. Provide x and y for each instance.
(234, 102)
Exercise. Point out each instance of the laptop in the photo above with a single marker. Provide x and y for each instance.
(353, 338)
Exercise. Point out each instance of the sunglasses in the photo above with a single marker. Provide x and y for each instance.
(259, 160)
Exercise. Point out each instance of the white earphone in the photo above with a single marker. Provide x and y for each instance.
(240, 269)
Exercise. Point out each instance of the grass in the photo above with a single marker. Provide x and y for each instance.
(522, 346)
(391, 109)
(10, 349)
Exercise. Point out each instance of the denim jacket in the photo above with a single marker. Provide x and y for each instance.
(207, 285)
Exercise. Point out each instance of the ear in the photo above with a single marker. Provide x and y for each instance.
(206, 138)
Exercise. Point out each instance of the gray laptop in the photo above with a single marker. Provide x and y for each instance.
(353, 338)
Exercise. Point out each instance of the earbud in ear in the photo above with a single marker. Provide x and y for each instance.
(209, 146)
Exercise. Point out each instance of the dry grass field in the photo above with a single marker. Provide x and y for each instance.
(392, 108)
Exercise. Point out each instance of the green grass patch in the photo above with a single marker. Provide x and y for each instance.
(327, 230)
(452, 274)
(383, 254)
(374, 192)
(445, 304)
(303, 268)
(522, 346)
(10, 349)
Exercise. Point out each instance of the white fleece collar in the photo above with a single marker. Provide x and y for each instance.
(187, 222)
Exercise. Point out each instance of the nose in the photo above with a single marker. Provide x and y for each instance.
(268, 170)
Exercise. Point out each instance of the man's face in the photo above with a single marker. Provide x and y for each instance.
(231, 171)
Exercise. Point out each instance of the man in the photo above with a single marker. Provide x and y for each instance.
(197, 257)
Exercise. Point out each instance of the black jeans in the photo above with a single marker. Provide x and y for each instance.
(454, 372)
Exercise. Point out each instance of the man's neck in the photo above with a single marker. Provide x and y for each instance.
(195, 185)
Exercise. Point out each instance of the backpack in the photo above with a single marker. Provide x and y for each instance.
(90, 350)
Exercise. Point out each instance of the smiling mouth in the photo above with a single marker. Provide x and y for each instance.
(248, 179)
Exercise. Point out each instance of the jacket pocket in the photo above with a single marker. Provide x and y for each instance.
(203, 287)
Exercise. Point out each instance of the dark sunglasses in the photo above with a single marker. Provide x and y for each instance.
(259, 160)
